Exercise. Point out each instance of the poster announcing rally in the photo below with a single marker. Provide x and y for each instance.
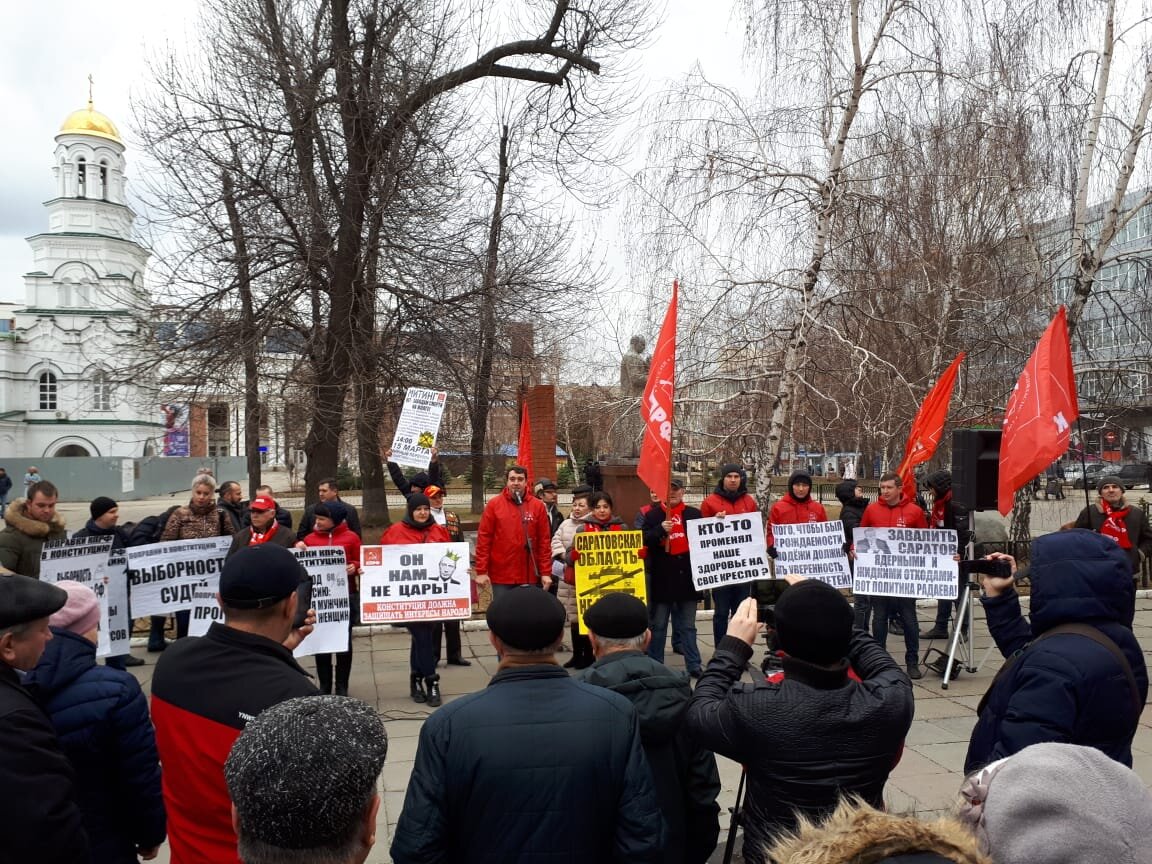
(906, 562)
(86, 560)
(329, 571)
(417, 427)
(417, 582)
(162, 577)
(814, 550)
(727, 550)
(607, 563)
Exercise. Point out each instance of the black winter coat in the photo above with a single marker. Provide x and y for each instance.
(687, 782)
(1139, 531)
(1066, 689)
(851, 509)
(39, 819)
(101, 719)
(5, 485)
(669, 576)
(537, 768)
(91, 529)
(308, 521)
(807, 740)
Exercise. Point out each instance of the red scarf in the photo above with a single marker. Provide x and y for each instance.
(1114, 526)
(256, 539)
(938, 509)
(677, 538)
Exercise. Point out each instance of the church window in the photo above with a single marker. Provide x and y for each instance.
(48, 391)
(104, 182)
(101, 392)
(81, 177)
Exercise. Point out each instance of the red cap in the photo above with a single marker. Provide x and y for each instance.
(432, 491)
(262, 502)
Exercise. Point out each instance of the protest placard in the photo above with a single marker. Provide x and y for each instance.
(727, 550)
(86, 560)
(417, 427)
(906, 562)
(205, 608)
(414, 582)
(162, 576)
(329, 572)
(814, 550)
(607, 563)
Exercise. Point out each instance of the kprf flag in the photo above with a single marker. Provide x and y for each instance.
(1040, 413)
(524, 447)
(655, 467)
(928, 426)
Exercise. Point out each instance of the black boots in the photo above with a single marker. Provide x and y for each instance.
(432, 687)
(343, 672)
(418, 694)
(582, 656)
(324, 673)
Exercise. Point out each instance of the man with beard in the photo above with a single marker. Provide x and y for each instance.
(947, 514)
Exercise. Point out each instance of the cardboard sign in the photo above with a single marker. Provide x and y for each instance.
(728, 550)
(86, 560)
(205, 608)
(162, 576)
(607, 564)
(906, 562)
(417, 582)
(417, 427)
(814, 550)
(329, 571)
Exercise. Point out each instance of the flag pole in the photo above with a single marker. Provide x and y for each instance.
(1083, 462)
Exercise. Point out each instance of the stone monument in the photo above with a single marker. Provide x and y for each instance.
(619, 471)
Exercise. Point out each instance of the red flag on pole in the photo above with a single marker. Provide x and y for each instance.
(924, 436)
(1040, 413)
(524, 446)
(655, 467)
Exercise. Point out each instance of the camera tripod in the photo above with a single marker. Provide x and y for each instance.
(963, 636)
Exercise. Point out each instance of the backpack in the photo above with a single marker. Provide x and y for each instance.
(150, 528)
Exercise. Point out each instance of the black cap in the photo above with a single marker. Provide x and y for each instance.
(527, 618)
(814, 622)
(617, 616)
(334, 510)
(100, 506)
(546, 483)
(257, 577)
(676, 484)
(23, 600)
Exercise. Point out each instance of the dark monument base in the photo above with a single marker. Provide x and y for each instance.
(628, 491)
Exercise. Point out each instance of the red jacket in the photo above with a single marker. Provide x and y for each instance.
(505, 530)
(401, 533)
(789, 511)
(906, 514)
(341, 535)
(716, 503)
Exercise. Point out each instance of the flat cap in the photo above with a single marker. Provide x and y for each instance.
(304, 771)
(259, 576)
(617, 616)
(23, 600)
(527, 618)
(546, 483)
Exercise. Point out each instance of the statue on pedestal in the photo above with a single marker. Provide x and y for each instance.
(625, 440)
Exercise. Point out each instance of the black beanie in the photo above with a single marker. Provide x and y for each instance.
(420, 480)
(334, 510)
(417, 499)
(527, 618)
(814, 622)
(846, 490)
(731, 468)
(100, 506)
(940, 481)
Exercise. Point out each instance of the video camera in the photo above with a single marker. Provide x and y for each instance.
(987, 566)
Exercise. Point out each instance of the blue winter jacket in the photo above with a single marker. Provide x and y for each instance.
(101, 718)
(1066, 688)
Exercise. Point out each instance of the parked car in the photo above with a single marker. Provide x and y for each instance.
(1091, 474)
(1135, 474)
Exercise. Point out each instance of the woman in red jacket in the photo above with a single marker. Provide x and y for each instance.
(419, 527)
(599, 518)
(331, 529)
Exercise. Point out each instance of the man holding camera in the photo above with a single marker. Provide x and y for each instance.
(1075, 674)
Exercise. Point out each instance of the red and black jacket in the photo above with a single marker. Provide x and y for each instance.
(204, 691)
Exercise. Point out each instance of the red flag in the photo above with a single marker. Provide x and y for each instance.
(655, 467)
(928, 426)
(1040, 413)
(524, 446)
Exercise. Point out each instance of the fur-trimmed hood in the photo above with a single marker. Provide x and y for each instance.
(863, 835)
(17, 519)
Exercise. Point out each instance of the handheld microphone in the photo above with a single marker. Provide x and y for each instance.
(518, 497)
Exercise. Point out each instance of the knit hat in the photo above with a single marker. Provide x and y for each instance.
(260, 576)
(799, 476)
(1109, 480)
(527, 618)
(80, 613)
(23, 600)
(731, 468)
(939, 481)
(303, 773)
(1059, 804)
(420, 479)
(846, 490)
(100, 506)
(814, 622)
(417, 499)
(334, 510)
(617, 616)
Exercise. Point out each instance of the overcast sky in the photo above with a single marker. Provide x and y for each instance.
(48, 49)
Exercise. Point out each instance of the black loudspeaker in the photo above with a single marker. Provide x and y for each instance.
(976, 468)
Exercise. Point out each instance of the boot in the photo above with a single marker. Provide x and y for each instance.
(324, 673)
(575, 631)
(418, 688)
(582, 655)
(343, 672)
(432, 683)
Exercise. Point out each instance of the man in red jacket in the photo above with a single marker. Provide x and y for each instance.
(513, 543)
(731, 497)
(795, 506)
(894, 510)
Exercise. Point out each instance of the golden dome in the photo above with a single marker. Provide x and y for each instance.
(89, 121)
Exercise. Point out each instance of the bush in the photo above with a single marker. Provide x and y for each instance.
(566, 478)
(346, 478)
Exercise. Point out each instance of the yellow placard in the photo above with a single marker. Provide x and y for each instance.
(607, 563)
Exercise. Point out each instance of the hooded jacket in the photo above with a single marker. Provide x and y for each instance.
(723, 501)
(790, 510)
(23, 538)
(1066, 688)
(852, 508)
(684, 774)
(91, 529)
(506, 531)
(954, 516)
(905, 514)
(101, 720)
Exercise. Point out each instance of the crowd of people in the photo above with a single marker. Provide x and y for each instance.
(244, 755)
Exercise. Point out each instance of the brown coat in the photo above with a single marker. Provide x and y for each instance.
(184, 524)
(23, 538)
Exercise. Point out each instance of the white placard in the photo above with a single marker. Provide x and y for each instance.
(814, 550)
(119, 606)
(85, 560)
(417, 582)
(162, 576)
(205, 608)
(329, 571)
(127, 475)
(417, 427)
(906, 562)
(727, 550)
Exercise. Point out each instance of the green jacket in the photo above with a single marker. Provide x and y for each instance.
(23, 538)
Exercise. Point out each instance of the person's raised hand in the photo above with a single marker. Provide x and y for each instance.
(994, 586)
(792, 578)
(745, 624)
(300, 633)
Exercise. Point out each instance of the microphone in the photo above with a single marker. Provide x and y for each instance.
(518, 497)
